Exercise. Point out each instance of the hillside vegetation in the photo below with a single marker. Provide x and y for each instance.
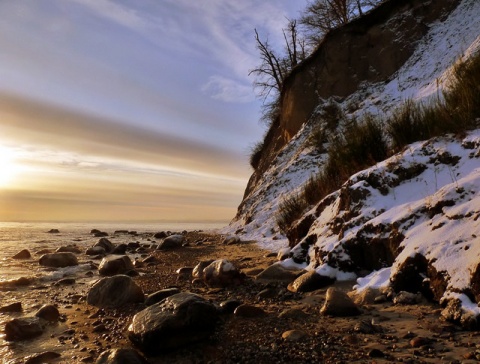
(380, 180)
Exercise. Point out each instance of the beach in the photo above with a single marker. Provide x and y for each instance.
(287, 328)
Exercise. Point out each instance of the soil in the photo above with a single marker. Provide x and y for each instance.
(382, 333)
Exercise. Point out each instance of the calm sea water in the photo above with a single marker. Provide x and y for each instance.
(35, 236)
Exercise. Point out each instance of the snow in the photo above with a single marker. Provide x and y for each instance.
(447, 236)
(379, 279)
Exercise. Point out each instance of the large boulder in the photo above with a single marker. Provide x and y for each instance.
(23, 254)
(222, 273)
(68, 249)
(58, 260)
(110, 266)
(171, 242)
(121, 356)
(200, 267)
(310, 281)
(96, 250)
(173, 323)
(105, 244)
(158, 296)
(114, 292)
(23, 328)
(337, 303)
(278, 273)
(48, 313)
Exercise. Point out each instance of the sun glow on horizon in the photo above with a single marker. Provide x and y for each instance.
(9, 168)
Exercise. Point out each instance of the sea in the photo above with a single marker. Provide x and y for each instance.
(37, 236)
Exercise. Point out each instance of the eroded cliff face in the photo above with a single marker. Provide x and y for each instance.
(368, 50)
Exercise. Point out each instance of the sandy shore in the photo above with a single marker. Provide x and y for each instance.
(382, 333)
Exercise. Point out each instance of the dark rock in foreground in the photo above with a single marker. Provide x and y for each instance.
(177, 321)
(121, 356)
(160, 295)
(48, 313)
(13, 307)
(111, 266)
(105, 244)
(40, 358)
(23, 328)
(54, 231)
(58, 260)
(114, 292)
(23, 254)
(172, 242)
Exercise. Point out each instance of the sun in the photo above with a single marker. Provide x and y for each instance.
(9, 168)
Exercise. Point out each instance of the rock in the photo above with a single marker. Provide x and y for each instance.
(114, 292)
(160, 295)
(48, 313)
(95, 231)
(407, 298)
(337, 303)
(419, 341)
(293, 313)
(160, 235)
(365, 296)
(199, 268)
(23, 328)
(120, 249)
(228, 307)
(376, 353)
(58, 260)
(105, 244)
(310, 281)
(267, 293)
(44, 251)
(173, 323)
(185, 272)
(68, 249)
(121, 356)
(19, 282)
(96, 250)
(13, 307)
(54, 231)
(366, 327)
(222, 273)
(65, 282)
(100, 234)
(171, 242)
(41, 358)
(23, 254)
(283, 254)
(133, 245)
(277, 273)
(110, 266)
(293, 335)
(249, 311)
(231, 240)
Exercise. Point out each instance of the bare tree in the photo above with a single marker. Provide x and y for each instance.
(320, 16)
(275, 67)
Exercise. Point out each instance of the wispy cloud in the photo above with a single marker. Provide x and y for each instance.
(228, 90)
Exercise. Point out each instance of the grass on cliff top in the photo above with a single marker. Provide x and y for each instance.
(363, 143)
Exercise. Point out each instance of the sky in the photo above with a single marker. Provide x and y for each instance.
(130, 110)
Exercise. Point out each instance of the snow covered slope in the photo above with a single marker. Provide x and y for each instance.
(414, 219)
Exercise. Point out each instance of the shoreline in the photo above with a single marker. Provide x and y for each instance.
(383, 332)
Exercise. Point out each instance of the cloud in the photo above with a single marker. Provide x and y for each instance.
(61, 129)
(228, 90)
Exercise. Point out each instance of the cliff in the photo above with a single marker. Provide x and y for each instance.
(414, 217)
